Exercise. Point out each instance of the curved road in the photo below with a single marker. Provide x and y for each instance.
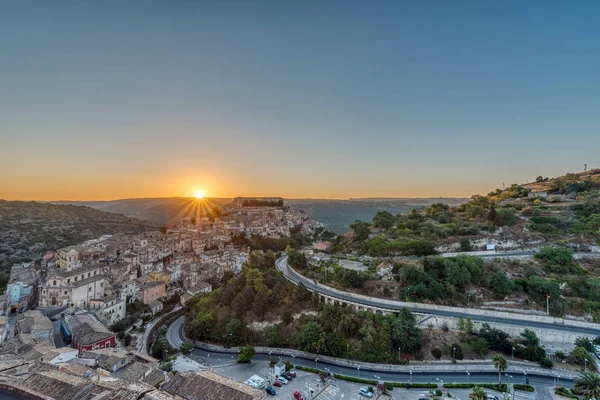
(282, 265)
(176, 338)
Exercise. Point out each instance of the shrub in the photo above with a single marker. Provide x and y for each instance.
(436, 352)
(413, 385)
(546, 363)
(445, 327)
(438, 392)
(353, 379)
(527, 388)
(388, 386)
(493, 386)
(561, 391)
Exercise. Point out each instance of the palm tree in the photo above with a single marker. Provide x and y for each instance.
(500, 363)
(478, 394)
(588, 384)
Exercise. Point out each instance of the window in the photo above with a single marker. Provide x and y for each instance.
(65, 292)
(75, 279)
(89, 288)
(54, 283)
(88, 274)
(101, 284)
(68, 281)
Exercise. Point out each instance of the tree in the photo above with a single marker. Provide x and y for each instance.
(586, 343)
(468, 325)
(579, 355)
(588, 384)
(246, 354)
(383, 219)
(186, 348)
(562, 256)
(405, 332)
(492, 214)
(361, 230)
(497, 339)
(478, 394)
(500, 364)
(530, 339)
(312, 338)
(480, 346)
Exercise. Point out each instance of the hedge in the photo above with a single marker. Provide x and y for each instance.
(357, 380)
(527, 388)
(493, 386)
(561, 391)
(308, 369)
(413, 385)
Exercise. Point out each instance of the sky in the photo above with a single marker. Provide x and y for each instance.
(323, 99)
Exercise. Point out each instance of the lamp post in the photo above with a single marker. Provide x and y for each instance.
(524, 377)
(358, 368)
(468, 299)
(454, 353)
(548, 305)
(398, 353)
(512, 353)
(410, 376)
(316, 363)
(468, 376)
(347, 351)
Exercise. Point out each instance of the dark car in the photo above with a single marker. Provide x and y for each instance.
(271, 391)
(287, 376)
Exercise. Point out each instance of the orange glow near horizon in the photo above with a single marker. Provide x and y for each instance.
(199, 194)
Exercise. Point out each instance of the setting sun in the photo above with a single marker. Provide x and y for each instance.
(199, 194)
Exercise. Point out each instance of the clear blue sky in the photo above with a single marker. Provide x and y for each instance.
(103, 100)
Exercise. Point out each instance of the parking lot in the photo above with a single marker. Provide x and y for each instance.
(333, 389)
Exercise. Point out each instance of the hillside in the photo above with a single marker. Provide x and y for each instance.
(337, 215)
(28, 229)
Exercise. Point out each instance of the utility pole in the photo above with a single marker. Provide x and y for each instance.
(547, 305)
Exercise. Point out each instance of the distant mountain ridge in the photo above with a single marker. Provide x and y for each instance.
(28, 229)
(336, 214)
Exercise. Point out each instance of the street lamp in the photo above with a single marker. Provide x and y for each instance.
(347, 351)
(524, 377)
(358, 368)
(399, 353)
(468, 376)
(512, 353)
(585, 365)
(316, 363)
(453, 353)
(410, 372)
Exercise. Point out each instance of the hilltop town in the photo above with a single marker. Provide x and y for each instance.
(87, 307)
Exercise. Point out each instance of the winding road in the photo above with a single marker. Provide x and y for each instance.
(454, 373)
(454, 312)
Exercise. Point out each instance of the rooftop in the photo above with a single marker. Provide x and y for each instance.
(87, 329)
(210, 385)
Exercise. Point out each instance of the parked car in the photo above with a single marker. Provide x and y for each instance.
(282, 380)
(291, 373)
(298, 396)
(277, 383)
(271, 391)
(364, 391)
(491, 397)
(287, 376)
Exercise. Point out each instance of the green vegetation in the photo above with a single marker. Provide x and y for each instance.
(525, 388)
(246, 354)
(587, 384)
(493, 386)
(562, 391)
(262, 293)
